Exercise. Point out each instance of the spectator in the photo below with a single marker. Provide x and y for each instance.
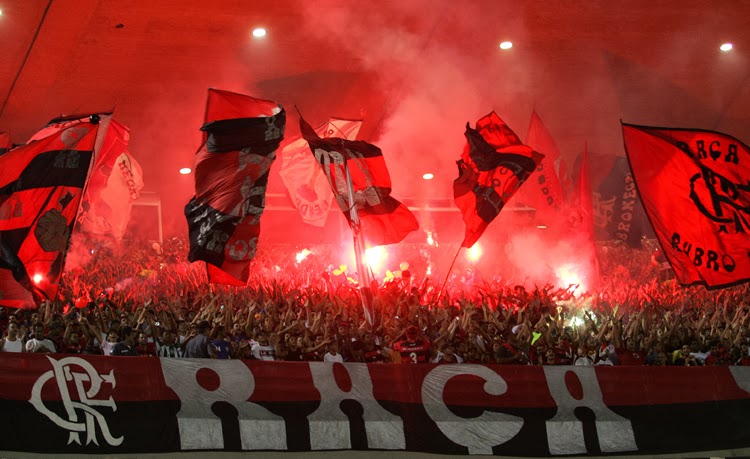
(196, 344)
(12, 342)
(38, 342)
(127, 344)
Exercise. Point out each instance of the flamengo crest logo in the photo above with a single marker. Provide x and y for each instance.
(68, 370)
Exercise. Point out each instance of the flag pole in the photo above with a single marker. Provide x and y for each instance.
(447, 275)
(362, 270)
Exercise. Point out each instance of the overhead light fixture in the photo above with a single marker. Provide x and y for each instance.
(726, 47)
(428, 176)
(259, 32)
(185, 171)
(541, 226)
(506, 45)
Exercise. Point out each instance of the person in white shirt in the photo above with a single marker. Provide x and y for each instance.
(12, 342)
(39, 342)
(262, 349)
(333, 353)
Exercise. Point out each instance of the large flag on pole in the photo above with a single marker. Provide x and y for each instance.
(41, 184)
(242, 134)
(383, 219)
(494, 165)
(618, 212)
(543, 192)
(115, 181)
(304, 179)
(695, 187)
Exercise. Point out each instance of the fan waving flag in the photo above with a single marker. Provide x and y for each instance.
(492, 168)
(307, 184)
(695, 187)
(231, 174)
(41, 185)
(383, 219)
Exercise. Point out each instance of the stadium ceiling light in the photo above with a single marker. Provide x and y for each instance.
(541, 226)
(428, 176)
(259, 32)
(506, 45)
(726, 47)
(185, 171)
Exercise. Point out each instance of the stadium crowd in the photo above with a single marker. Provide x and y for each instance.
(144, 300)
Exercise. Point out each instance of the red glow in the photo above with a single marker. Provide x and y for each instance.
(474, 253)
(375, 257)
(302, 255)
(570, 274)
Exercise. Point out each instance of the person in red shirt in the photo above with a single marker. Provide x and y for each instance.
(143, 347)
(415, 348)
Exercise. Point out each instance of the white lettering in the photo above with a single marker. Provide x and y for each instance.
(199, 427)
(478, 434)
(329, 426)
(565, 431)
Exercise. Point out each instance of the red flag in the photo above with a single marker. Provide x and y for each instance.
(383, 219)
(231, 174)
(5, 143)
(41, 185)
(695, 187)
(492, 168)
(115, 181)
(304, 179)
(543, 192)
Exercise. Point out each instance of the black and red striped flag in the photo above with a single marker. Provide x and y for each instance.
(695, 187)
(231, 174)
(493, 166)
(383, 219)
(41, 184)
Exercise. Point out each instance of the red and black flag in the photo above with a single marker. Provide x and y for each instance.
(242, 134)
(5, 143)
(115, 181)
(695, 187)
(383, 219)
(304, 179)
(41, 184)
(492, 168)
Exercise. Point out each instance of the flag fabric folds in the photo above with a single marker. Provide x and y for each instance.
(115, 181)
(307, 184)
(492, 168)
(618, 213)
(41, 184)
(695, 187)
(383, 219)
(543, 192)
(5, 143)
(242, 134)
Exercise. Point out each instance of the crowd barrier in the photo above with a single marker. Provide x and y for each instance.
(109, 405)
